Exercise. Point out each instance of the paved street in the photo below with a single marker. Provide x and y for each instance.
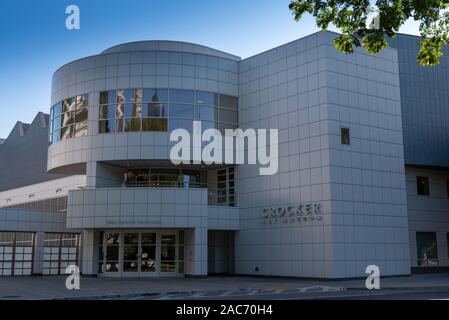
(434, 286)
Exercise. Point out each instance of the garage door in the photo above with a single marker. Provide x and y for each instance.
(60, 251)
(16, 253)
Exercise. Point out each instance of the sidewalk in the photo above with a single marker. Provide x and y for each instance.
(54, 287)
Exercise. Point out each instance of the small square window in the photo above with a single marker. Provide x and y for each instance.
(345, 136)
(422, 184)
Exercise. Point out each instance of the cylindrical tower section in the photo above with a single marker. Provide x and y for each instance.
(122, 104)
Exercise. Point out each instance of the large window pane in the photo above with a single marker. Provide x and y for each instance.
(132, 124)
(228, 101)
(120, 111)
(206, 98)
(68, 105)
(155, 95)
(154, 109)
(206, 113)
(57, 109)
(57, 123)
(133, 110)
(81, 129)
(181, 96)
(67, 132)
(154, 124)
(181, 111)
(81, 115)
(81, 102)
(107, 112)
(426, 243)
(107, 126)
(56, 136)
(68, 118)
(107, 97)
(228, 116)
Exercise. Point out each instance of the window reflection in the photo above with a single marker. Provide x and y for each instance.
(162, 109)
(69, 118)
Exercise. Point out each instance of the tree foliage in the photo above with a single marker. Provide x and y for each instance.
(369, 25)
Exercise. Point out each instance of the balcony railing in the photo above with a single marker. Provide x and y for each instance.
(164, 184)
(214, 197)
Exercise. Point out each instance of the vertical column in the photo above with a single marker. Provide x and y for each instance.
(89, 261)
(196, 252)
(38, 259)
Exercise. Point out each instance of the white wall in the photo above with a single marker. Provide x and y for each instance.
(307, 90)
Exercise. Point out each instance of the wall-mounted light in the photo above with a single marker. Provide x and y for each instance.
(58, 190)
(8, 200)
(31, 195)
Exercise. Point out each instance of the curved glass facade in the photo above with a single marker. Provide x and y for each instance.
(68, 119)
(139, 109)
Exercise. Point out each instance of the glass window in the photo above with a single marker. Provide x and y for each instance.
(168, 253)
(120, 111)
(184, 111)
(206, 98)
(422, 184)
(181, 124)
(155, 95)
(71, 115)
(57, 109)
(68, 118)
(181, 96)
(154, 124)
(206, 113)
(154, 109)
(107, 97)
(81, 116)
(345, 138)
(228, 116)
(57, 123)
(133, 124)
(81, 129)
(112, 252)
(133, 110)
(107, 126)
(426, 243)
(228, 101)
(107, 112)
(68, 105)
(67, 132)
(81, 102)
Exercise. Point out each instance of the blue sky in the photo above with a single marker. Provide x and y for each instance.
(35, 41)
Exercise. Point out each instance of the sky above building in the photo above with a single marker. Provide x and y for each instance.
(35, 41)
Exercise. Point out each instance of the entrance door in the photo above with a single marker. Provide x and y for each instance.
(139, 254)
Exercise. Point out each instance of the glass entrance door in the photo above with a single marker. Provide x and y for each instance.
(139, 254)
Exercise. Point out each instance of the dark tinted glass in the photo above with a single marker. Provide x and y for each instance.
(228, 101)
